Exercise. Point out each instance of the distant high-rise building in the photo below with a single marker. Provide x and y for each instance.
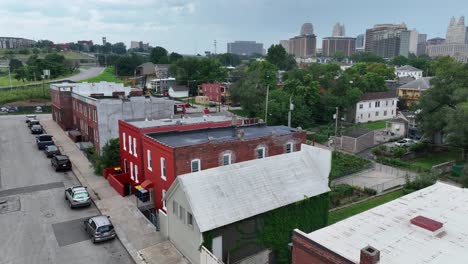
(333, 45)
(307, 29)
(135, 44)
(422, 39)
(409, 42)
(15, 43)
(104, 40)
(456, 31)
(435, 41)
(466, 35)
(339, 30)
(360, 42)
(285, 44)
(384, 39)
(245, 48)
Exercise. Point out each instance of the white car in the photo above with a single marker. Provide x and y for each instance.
(404, 142)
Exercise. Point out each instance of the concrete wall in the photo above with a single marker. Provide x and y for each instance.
(112, 110)
(355, 145)
(187, 239)
(163, 223)
(364, 142)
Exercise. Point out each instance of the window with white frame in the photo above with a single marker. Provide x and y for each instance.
(136, 173)
(195, 165)
(164, 199)
(134, 147)
(150, 161)
(385, 113)
(260, 152)
(289, 147)
(392, 112)
(393, 102)
(386, 103)
(131, 170)
(361, 106)
(175, 208)
(226, 159)
(163, 168)
(124, 141)
(370, 104)
(182, 214)
(377, 104)
(361, 116)
(377, 113)
(130, 144)
(189, 219)
(368, 115)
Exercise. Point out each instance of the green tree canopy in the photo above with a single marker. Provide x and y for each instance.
(366, 57)
(159, 55)
(174, 56)
(15, 64)
(119, 48)
(229, 59)
(278, 56)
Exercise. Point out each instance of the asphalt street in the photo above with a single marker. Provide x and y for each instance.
(36, 223)
(85, 74)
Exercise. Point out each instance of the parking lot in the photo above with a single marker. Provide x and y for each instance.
(36, 223)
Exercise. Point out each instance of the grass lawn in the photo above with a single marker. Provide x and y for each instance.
(5, 81)
(7, 96)
(345, 164)
(344, 213)
(239, 112)
(108, 75)
(432, 159)
(373, 125)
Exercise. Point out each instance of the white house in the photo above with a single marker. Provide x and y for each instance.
(374, 107)
(176, 91)
(223, 199)
(408, 71)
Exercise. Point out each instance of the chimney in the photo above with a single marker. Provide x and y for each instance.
(369, 255)
(240, 133)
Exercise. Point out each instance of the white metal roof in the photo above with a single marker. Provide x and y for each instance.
(227, 194)
(408, 68)
(388, 229)
(187, 119)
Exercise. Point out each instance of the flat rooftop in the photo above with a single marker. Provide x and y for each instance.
(187, 119)
(86, 89)
(196, 137)
(388, 229)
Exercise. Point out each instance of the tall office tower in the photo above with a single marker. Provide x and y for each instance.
(304, 45)
(245, 48)
(384, 39)
(456, 31)
(104, 41)
(333, 45)
(307, 29)
(285, 44)
(409, 42)
(360, 42)
(339, 30)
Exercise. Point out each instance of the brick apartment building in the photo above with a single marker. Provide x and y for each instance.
(167, 155)
(131, 133)
(216, 92)
(426, 226)
(92, 110)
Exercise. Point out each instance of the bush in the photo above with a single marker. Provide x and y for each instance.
(380, 150)
(339, 192)
(369, 191)
(419, 147)
(345, 164)
(398, 152)
(422, 181)
(110, 156)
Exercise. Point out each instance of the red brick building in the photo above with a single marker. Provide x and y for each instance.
(62, 109)
(216, 92)
(167, 155)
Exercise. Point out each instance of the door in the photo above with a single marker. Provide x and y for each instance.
(218, 247)
(125, 166)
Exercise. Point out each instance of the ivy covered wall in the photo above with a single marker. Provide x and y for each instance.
(271, 230)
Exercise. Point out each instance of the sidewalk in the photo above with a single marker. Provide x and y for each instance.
(133, 229)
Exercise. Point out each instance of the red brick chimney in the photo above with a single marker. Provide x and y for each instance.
(369, 255)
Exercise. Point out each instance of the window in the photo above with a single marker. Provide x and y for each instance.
(163, 168)
(175, 208)
(393, 102)
(361, 116)
(370, 105)
(385, 113)
(289, 147)
(386, 103)
(195, 165)
(124, 141)
(182, 214)
(150, 162)
(260, 153)
(131, 170)
(227, 159)
(130, 144)
(190, 219)
(163, 199)
(368, 115)
(377, 113)
(134, 147)
(377, 104)
(361, 106)
(136, 173)
(392, 112)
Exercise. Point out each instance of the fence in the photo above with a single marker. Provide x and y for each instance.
(443, 167)
(206, 257)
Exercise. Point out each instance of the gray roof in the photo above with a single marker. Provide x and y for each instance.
(196, 137)
(423, 83)
(407, 68)
(187, 119)
(228, 194)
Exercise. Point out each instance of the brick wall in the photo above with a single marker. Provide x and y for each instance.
(85, 120)
(62, 109)
(306, 251)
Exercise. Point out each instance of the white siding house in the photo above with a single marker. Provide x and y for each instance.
(210, 199)
(408, 71)
(374, 107)
(178, 91)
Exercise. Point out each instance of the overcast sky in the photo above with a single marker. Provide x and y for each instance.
(189, 26)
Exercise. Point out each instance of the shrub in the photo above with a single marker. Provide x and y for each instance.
(419, 147)
(398, 152)
(421, 181)
(369, 191)
(110, 156)
(345, 164)
(380, 150)
(339, 192)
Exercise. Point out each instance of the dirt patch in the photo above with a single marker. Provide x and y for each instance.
(30, 102)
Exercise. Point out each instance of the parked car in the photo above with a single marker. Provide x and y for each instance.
(38, 109)
(99, 228)
(44, 140)
(51, 151)
(36, 129)
(30, 117)
(61, 162)
(404, 142)
(33, 122)
(77, 196)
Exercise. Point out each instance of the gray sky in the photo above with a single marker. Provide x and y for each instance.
(188, 26)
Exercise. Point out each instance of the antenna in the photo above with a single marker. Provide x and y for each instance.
(215, 47)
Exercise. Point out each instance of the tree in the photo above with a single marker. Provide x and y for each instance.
(399, 60)
(126, 65)
(15, 64)
(229, 59)
(366, 57)
(173, 57)
(119, 48)
(20, 74)
(36, 51)
(339, 56)
(278, 56)
(382, 70)
(24, 51)
(159, 55)
(110, 156)
(44, 43)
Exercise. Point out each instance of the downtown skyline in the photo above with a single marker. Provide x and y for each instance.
(190, 27)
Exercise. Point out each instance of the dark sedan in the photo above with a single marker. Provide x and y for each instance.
(61, 162)
(36, 129)
(51, 151)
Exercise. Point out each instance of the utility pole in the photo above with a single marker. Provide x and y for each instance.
(291, 108)
(266, 104)
(9, 76)
(336, 122)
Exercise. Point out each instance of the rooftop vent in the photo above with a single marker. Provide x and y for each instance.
(427, 223)
(369, 255)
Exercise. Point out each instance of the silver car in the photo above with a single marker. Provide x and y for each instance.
(77, 196)
(99, 228)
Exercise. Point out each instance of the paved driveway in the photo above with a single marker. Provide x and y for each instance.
(36, 224)
(85, 74)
